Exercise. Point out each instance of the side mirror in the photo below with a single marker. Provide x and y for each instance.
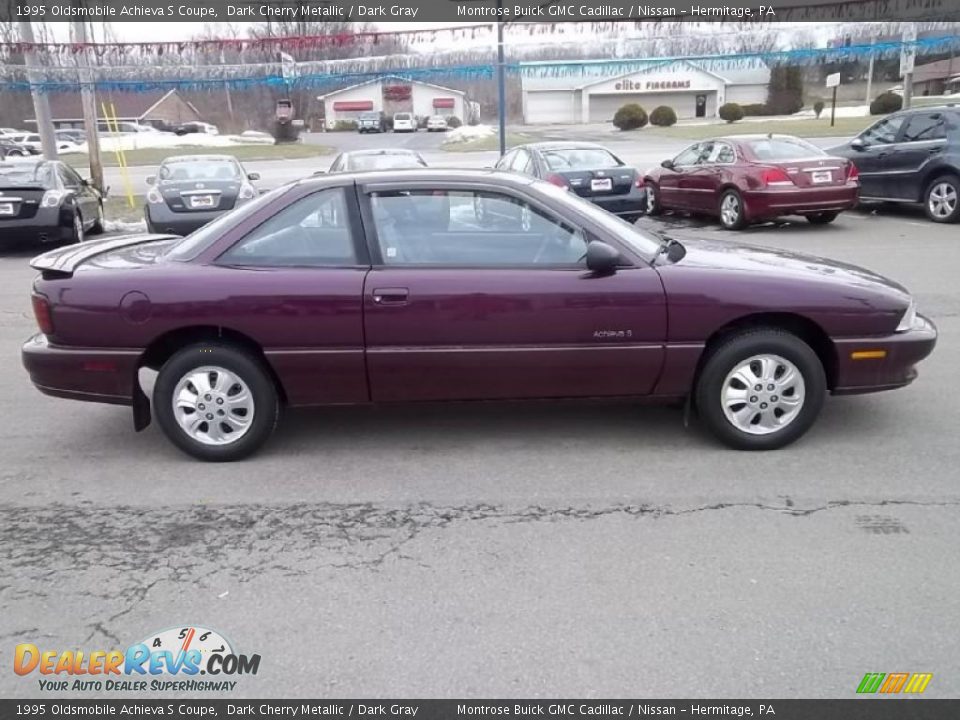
(253, 176)
(858, 144)
(151, 179)
(602, 259)
(668, 164)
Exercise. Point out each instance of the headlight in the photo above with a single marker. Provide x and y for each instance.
(154, 197)
(909, 318)
(52, 198)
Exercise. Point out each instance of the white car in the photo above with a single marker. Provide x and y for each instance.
(404, 122)
(437, 123)
(33, 140)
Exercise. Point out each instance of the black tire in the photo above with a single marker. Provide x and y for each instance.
(97, 228)
(724, 359)
(739, 221)
(943, 214)
(76, 233)
(653, 198)
(248, 368)
(822, 218)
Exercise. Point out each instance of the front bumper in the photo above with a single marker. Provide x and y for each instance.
(633, 203)
(897, 367)
(45, 226)
(91, 374)
(161, 219)
(773, 202)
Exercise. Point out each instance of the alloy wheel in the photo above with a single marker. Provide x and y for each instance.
(651, 199)
(730, 209)
(942, 200)
(213, 405)
(763, 394)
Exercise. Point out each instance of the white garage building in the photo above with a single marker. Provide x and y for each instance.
(690, 90)
(392, 95)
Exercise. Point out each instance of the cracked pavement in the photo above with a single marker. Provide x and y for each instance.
(518, 550)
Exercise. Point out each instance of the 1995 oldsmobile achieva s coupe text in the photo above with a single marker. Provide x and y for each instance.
(456, 285)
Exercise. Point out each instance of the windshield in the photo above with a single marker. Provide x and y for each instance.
(579, 159)
(783, 149)
(28, 175)
(199, 240)
(640, 241)
(395, 161)
(180, 170)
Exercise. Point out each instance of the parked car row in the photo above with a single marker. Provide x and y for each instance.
(377, 122)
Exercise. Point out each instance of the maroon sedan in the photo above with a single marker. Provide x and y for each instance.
(751, 178)
(390, 287)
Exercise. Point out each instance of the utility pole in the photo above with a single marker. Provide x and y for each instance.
(873, 41)
(907, 57)
(41, 104)
(501, 84)
(88, 99)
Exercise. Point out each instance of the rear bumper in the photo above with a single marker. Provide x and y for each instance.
(799, 201)
(632, 203)
(45, 226)
(896, 369)
(162, 219)
(91, 374)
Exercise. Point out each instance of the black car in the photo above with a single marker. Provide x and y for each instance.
(911, 156)
(589, 170)
(71, 135)
(9, 148)
(191, 190)
(372, 122)
(384, 159)
(46, 201)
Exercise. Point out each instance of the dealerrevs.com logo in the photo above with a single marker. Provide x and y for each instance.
(172, 659)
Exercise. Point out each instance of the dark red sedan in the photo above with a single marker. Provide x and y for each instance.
(390, 287)
(752, 178)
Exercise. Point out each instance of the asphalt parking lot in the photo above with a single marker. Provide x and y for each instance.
(510, 550)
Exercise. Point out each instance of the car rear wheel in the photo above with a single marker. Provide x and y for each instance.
(76, 229)
(97, 228)
(822, 218)
(761, 390)
(732, 216)
(942, 199)
(215, 402)
(653, 199)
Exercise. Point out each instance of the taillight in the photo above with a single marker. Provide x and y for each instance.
(852, 172)
(775, 176)
(558, 180)
(41, 311)
(638, 183)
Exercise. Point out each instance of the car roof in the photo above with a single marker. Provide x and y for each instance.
(438, 175)
(382, 151)
(564, 145)
(197, 158)
(25, 163)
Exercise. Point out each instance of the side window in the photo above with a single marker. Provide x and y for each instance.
(925, 127)
(68, 179)
(721, 153)
(688, 156)
(883, 132)
(472, 228)
(313, 231)
(505, 162)
(522, 162)
(337, 164)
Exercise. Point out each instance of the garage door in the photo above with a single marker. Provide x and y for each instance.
(553, 106)
(603, 107)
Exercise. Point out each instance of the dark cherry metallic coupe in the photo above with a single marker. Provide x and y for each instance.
(752, 178)
(387, 287)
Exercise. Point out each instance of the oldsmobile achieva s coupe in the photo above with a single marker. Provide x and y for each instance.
(391, 286)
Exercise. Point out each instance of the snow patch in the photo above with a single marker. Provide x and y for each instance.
(124, 226)
(137, 141)
(468, 133)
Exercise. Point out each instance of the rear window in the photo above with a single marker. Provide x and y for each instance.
(385, 162)
(29, 175)
(199, 170)
(580, 159)
(402, 116)
(370, 116)
(777, 149)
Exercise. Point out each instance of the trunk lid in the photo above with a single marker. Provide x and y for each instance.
(20, 201)
(62, 262)
(600, 182)
(192, 196)
(816, 172)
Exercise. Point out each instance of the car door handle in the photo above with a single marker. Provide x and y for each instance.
(391, 296)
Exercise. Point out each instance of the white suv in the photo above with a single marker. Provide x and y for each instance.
(404, 122)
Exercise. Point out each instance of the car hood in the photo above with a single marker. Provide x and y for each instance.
(773, 262)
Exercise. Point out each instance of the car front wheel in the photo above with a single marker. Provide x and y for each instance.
(760, 390)
(215, 402)
(942, 200)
